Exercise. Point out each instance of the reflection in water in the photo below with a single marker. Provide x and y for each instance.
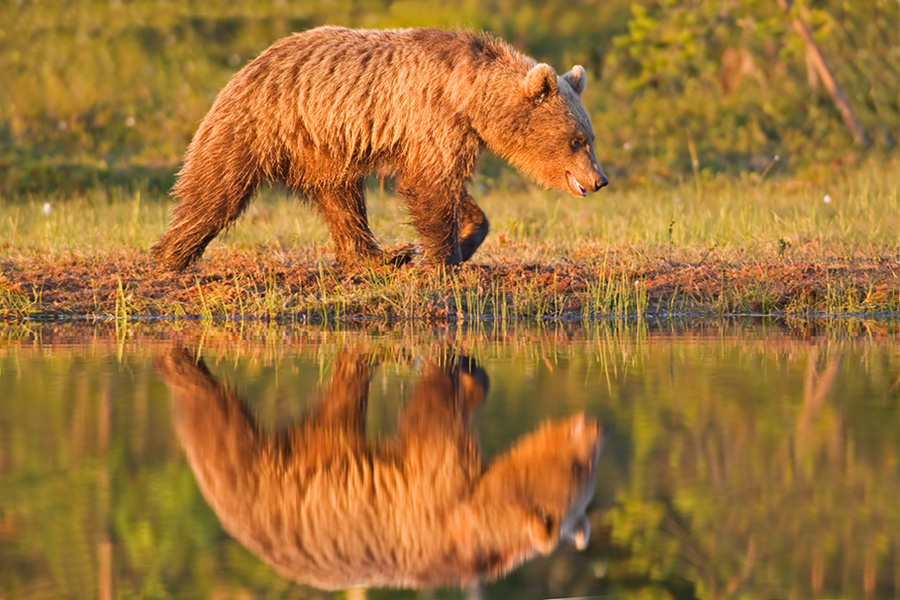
(740, 462)
(329, 508)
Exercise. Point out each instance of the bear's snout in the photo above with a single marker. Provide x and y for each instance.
(601, 182)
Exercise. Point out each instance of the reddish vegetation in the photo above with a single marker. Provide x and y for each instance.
(285, 284)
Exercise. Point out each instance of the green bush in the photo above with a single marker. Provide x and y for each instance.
(98, 87)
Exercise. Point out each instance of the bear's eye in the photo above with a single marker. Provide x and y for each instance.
(576, 144)
(546, 520)
(578, 469)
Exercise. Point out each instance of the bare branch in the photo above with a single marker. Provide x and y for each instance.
(817, 59)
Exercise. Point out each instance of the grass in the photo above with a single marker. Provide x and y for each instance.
(748, 245)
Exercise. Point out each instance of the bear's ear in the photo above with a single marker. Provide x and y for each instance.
(540, 82)
(577, 78)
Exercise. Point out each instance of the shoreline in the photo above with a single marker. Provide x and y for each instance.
(275, 284)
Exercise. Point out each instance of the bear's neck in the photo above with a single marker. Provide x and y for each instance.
(499, 113)
(486, 85)
(489, 532)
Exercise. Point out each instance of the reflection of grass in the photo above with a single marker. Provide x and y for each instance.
(697, 467)
(737, 247)
(16, 304)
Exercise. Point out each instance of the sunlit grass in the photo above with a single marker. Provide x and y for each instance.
(855, 211)
(673, 248)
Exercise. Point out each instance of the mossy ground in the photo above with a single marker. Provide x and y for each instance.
(262, 283)
(732, 246)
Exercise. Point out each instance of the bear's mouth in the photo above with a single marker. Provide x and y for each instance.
(576, 188)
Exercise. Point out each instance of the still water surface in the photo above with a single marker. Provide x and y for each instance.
(738, 460)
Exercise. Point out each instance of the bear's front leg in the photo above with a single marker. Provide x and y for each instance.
(435, 215)
(473, 226)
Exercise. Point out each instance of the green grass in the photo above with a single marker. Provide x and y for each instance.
(747, 245)
(746, 215)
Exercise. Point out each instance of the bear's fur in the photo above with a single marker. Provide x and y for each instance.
(331, 509)
(321, 110)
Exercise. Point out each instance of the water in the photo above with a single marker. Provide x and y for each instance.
(745, 460)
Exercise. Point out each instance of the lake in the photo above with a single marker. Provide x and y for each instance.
(740, 458)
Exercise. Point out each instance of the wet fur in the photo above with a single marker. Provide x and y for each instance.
(328, 508)
(321, 110)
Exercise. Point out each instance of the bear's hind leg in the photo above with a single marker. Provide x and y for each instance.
(344, 400)
(344, 211)
(473, 226)
(199, 217)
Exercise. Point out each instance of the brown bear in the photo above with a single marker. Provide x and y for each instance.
(329, 508)
(320, 110)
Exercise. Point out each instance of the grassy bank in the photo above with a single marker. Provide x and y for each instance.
(827, 244)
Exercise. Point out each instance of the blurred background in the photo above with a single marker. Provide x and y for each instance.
(111, 91)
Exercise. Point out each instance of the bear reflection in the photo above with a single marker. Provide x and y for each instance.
(329, 508)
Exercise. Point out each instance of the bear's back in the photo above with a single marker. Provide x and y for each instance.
(364, 98)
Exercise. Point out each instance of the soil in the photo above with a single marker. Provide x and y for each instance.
(266, 283)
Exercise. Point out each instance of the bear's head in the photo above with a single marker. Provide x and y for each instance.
(531, 497)
(548, 133)
(558, 482)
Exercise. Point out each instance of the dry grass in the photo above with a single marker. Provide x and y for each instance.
(285, 285)
(748, 246)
